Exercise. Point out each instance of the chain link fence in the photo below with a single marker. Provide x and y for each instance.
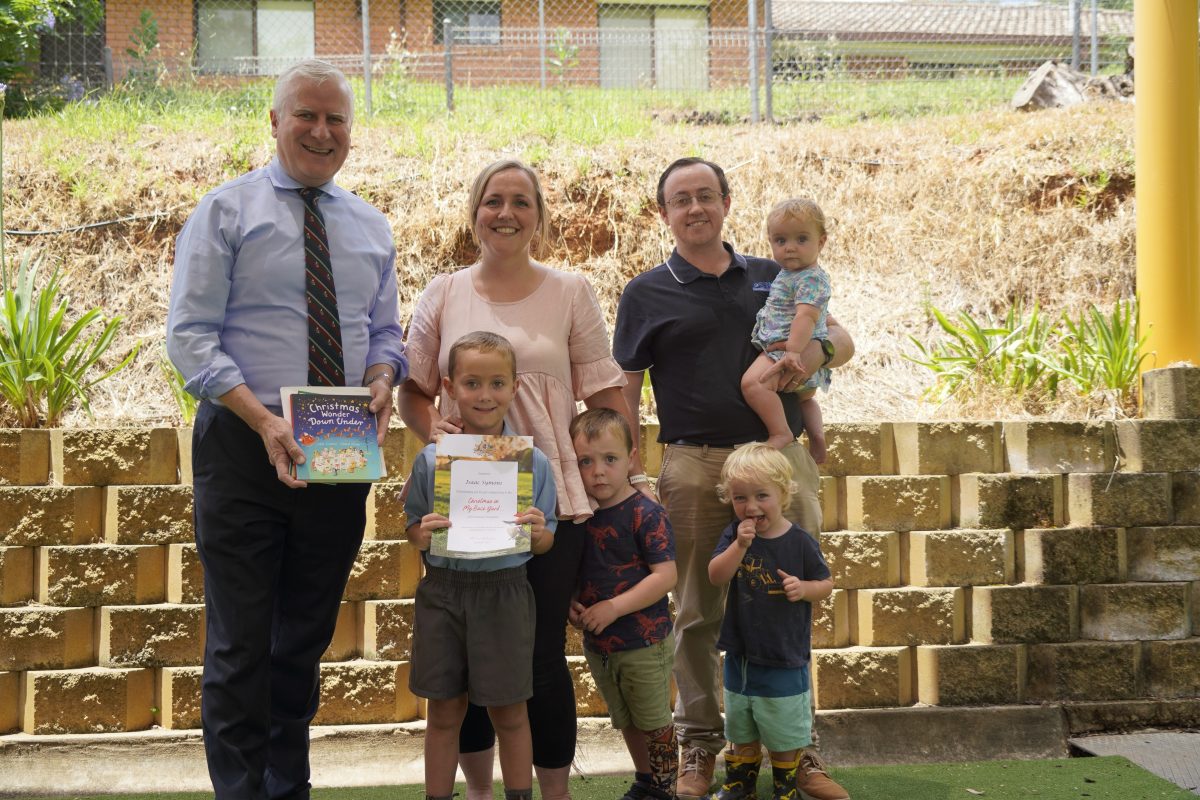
(729, 58)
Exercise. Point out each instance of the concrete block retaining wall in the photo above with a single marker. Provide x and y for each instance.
(977, 563)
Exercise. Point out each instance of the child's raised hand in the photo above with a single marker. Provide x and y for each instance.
(745, 533)
(597, 617)
(793, 587)
(421, 535)
(535, 518)
(575, 614)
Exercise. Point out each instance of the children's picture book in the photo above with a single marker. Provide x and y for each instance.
(480, 483)
(336, 431)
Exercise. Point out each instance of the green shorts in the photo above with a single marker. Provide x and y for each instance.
(780, 723)
(636, 684)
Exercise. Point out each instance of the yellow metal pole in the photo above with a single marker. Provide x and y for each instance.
(1168, 173)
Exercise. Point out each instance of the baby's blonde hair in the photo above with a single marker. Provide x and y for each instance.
(754, 463)
(800, 208)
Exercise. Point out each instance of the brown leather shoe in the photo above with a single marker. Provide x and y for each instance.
(814, 782)
(695, 772)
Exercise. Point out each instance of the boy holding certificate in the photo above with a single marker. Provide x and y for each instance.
(628, 568)
(474, 617)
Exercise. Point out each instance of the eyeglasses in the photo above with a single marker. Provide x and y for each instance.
(704, 198)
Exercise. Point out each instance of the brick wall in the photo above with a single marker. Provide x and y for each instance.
(977, 563)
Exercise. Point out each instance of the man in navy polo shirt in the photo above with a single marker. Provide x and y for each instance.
(689, 321)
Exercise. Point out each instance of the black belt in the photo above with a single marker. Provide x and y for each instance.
(689, 443)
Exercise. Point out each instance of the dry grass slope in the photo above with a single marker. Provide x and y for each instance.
(966, 212)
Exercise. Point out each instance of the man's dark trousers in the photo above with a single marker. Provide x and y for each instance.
(275, 562)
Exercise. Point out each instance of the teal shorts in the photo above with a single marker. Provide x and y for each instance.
(636, 684)
(782, 722)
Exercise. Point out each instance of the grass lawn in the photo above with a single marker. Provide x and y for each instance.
(1106, 778)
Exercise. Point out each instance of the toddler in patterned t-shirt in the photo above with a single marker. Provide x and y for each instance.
(794, 313)
(621, 604)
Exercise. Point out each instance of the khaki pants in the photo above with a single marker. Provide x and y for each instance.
(687, 487)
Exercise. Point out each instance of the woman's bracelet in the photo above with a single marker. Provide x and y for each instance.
(638, 479)
(377, 376)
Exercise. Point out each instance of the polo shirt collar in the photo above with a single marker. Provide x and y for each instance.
(281, 180)
(682, 270)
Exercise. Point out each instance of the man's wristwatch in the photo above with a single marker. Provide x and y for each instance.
(827, 349)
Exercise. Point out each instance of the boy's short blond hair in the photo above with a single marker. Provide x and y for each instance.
(481, 342)
(800, 208)
(757, 462)
(595, 422)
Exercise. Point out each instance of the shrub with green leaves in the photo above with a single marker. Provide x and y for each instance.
(46, 363)
(1099, 353)
(185, 402)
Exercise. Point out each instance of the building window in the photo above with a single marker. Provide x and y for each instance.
(478, 19)
(261, 37)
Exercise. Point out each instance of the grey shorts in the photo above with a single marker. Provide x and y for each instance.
(473, 633)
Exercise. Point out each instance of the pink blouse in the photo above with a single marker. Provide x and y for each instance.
(563, 356)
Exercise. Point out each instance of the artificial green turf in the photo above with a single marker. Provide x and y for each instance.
(1106, 778)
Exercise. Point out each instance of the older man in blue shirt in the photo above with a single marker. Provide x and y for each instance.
(277, 552)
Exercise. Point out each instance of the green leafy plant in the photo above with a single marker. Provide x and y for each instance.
(564, 55)
(46, 363)
(185, 402)
(147, 69)
(1100, 353)
(23, 23)
(977, 355)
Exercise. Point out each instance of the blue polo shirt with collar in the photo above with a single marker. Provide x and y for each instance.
(692, 331)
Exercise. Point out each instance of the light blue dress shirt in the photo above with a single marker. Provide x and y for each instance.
(238, 312)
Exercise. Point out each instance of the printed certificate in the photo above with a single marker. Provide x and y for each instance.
(480, 482)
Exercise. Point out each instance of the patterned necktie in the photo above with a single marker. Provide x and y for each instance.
(324, 329)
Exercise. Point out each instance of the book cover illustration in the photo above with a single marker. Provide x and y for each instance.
(480, 483)
(336, 431)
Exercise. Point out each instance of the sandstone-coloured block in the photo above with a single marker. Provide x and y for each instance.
(859, 449)
(100, 574)
(588, 700)
(898, 503)
(831, 621)
(1173, 668)
(362, 692)
(1119, 612)
(387, 630)
(16, 575)
(106, 457)
(184, 438)
(148, 514)
(163, 635)
(178, 697)
(384, 570)
(574, 646)
(1072, 555)
(1194, 594)
(1024, 614)
(961, 557)
(910, 616)
(1158, 445)
(10, 702)
(40, 637)
(970, 675)
(400, 448)
(24, 457)
(1083, 671)
(1164, 553)
(1130, 500)
(1059, 447)
(1009, 501)
(43, 515)
(344, 645)
(387, 512)
(93, 700)
(862, 559)
(947, 448)
(1171, 393)
(1185, 497)
(827, 492)
(862, 677)
(185, 574)
(651, 450)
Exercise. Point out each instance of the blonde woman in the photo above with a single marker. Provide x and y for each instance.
(556, 328)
